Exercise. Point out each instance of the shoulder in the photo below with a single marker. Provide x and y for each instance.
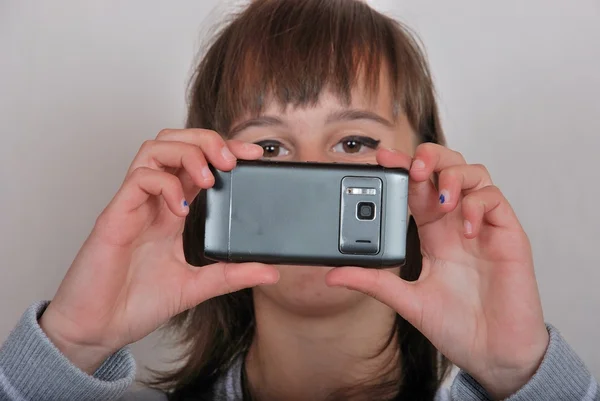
(443, 394)
(144, 394)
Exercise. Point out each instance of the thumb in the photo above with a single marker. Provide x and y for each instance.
(383, 285)
(217, 279)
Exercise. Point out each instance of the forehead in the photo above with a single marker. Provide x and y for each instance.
(363, 96)
(294, 54)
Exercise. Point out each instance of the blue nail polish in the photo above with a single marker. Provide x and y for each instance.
(442, 199)
(185, 203)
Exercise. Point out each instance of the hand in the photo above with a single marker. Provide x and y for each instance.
(476, 299)
(131, 275)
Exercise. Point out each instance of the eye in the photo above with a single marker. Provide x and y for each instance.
(273, 149)
(356, 144)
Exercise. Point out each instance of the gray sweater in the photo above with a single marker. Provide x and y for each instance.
(32, 369)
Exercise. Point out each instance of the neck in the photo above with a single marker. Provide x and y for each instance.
(300, 357)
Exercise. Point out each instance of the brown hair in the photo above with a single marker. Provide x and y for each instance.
(291, 51)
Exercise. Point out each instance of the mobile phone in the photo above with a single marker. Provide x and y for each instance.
(298, 213)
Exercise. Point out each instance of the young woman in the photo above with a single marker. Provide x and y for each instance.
(312, 80)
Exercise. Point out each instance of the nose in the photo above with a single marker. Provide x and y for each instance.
(312, 153)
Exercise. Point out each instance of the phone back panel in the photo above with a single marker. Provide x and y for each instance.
(307, 213)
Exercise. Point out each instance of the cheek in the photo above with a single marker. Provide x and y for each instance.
(405, 139)
(407, 143)
(401, 142)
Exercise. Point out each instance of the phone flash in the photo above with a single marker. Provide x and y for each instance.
(361, 191)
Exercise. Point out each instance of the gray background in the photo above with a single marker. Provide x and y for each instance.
(82, 84)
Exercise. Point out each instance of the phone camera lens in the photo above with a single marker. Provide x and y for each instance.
(365, 211)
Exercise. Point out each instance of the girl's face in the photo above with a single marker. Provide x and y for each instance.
(327, 132)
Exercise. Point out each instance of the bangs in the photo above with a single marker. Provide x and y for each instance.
(291, 51)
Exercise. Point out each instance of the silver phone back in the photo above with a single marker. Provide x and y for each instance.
(308, 213)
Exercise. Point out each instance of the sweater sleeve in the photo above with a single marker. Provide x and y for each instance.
(32, 368)
(562, 376)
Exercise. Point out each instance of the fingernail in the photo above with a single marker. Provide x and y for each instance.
(418, 164)
(227, 155)
(468, 227)
(206, 174)
(444, 196)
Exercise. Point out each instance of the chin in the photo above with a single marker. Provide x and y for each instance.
(302, 290)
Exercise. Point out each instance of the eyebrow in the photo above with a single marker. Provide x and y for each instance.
(353, 115)
(262, 121)
(336, 116)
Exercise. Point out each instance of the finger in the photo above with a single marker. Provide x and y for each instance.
(392, 158)
(460, 180)
(199, 137)
(424, 202)
(424, 197)
(145, 182)
(487, 205)
(210, 144)
(222, 278)
(241, 150)
(432, 158)
(176, 156)
(245, 150)
(382, 285)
